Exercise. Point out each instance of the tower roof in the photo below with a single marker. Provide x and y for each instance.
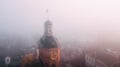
(48, 22)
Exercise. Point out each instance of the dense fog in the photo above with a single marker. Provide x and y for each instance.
(77, 24)
(80, 20)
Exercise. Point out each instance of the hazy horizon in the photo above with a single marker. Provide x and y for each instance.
(83, 20)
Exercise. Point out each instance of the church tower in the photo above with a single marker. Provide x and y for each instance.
(49, 52)
(48, 28)
(48, 40)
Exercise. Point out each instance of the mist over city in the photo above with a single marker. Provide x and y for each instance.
(82, 33)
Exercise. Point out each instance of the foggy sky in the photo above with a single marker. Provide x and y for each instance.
(74, 19)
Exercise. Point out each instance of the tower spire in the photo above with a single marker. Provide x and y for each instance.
(47, 11)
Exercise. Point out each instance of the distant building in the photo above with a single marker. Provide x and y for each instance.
(102, 59)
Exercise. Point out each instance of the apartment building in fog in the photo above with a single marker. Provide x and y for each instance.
(102, 58)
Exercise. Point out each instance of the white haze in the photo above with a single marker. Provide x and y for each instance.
(83, 20)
